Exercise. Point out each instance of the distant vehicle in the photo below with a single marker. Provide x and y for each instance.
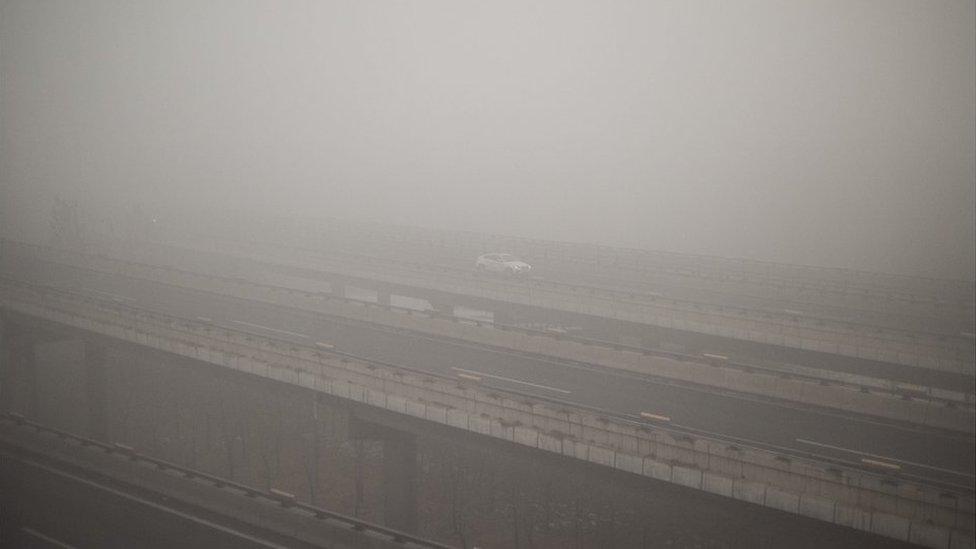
(502, 264)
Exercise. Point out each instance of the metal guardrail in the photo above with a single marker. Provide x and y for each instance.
(283, 499)
(678, 433)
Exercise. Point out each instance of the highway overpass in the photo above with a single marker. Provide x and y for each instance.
(927, 331)
(937, 403)
(896, 486)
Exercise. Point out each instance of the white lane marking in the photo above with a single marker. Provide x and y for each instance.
(656, 417)
(714, 356)
(46, 539)
(810, 409)
(286, 332)
(784, 449)
(205, 319)
(882, 464)
(510, 380)
(469, 377)
(888, 458)
(124, 496)
(324, 345)
(116, 297)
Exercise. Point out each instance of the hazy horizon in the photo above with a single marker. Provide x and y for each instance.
(829, 133)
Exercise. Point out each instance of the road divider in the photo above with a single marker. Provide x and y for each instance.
(511, 380)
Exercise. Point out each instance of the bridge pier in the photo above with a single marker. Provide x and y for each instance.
(18, 370)
(95, 389)
(399, 472)
(400, 482)
(6, 365)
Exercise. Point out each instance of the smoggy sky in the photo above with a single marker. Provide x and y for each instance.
(836, 133)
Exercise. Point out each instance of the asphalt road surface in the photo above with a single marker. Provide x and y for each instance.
(856, 440)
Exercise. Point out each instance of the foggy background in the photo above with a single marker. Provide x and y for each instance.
(836, 133)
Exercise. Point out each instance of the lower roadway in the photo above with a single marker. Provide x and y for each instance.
(857, 440)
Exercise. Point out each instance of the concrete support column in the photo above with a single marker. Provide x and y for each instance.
(96, 393)
(400, 482)
(6, 366)
(399, 471)
(18, 371)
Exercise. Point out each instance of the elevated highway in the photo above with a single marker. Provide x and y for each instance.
(950, 352)
(851, 290)
(928, 502)
(914, 313)
(928, 405)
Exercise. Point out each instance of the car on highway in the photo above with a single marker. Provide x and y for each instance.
(506, 264)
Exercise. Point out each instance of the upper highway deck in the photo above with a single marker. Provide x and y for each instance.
(836, 286)
(910, 339)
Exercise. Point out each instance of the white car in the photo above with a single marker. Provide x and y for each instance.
(503, 264)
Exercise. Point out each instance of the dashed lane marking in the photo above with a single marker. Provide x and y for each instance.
(510, 380)
(876, 457)
(882, 464)
(268, 328)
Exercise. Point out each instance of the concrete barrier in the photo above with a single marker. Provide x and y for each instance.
(901, 509)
